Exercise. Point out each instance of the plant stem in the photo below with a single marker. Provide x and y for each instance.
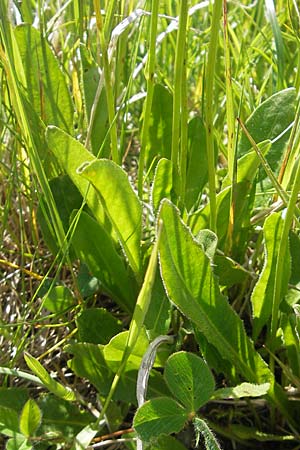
(231, 147)
(178, 95)
(137, 321)
(281, 259)
(209, 85)
(108, 85)
(184, 135)
(149, 72)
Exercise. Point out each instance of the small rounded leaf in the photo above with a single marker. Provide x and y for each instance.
(30, 418)
(189, 379)
(162, 415)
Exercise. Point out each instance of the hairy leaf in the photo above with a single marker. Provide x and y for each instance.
(191, 285)
(121, 205)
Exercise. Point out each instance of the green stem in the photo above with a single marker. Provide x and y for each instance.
(209, 115)
(137, 321)
(184, 135)
(178, 83)
(277, 186)
(108, 86)
(229, 100)
(281, 258)
(231, 147)
(149, 72)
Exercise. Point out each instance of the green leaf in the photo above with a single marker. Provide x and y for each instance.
(90, 80)
(84, 437)
(59, 299)
(46, 87)
(248, 164)
(262, 295)
(271, 119)
(189, 379)
(157, 320)
(62, 417)
(243, 390)
(208, 241)
(228, 271)
(291, 341)
(70, 154)
(192, 287)
(30, 418)
(160, 125)
(197, 171)
(114, 350)
(9, 421)
(121, 205)
(89, 362)
(88, 285)
(95, 247)
(295, 258)
(162, 183)
(244, 190)
(167, 443)
(97, 326)
(161, 415)
(13, 397)
(242, 432)
(18, 442)
(64, 204)
(53, 386)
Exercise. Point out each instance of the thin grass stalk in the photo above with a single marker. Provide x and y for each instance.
(280, 191)
(10, 60)
(129, 83)
(230, 116)
(290, 155)
(178, 82)
(109, 18)
(9, 63)
(137, 321)
(78, 15)
(271, 15)
(209, 114)
(184, 135)
(283, 246)
(108, 85)
(231, 148)
(149, 73)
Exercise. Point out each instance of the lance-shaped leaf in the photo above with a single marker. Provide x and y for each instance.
(121, 205)
(192, 287)
(53, 386)
(95, 247)
(162, 183)
(243, 390)
(262, 296)
(70, 154)
(46, 87)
